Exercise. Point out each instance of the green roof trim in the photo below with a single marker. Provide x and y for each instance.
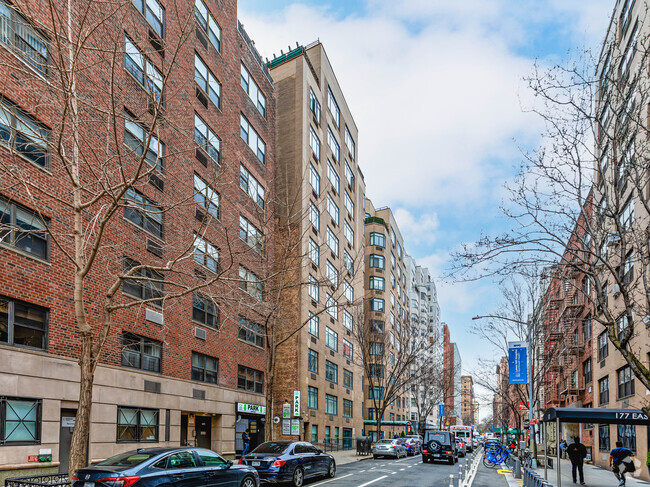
(285, 57)
(375, 219)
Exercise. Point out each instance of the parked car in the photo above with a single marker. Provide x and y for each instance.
(439, 445)
(413, 446)
(389, 448)
(181, 467)
(289, 461)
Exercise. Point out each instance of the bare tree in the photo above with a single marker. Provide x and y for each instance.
(428, 385)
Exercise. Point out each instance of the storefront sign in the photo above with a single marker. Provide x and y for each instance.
(286, 427)
(68, 421)
(286, 410)
(517, 363)
(32, 458)
(250, 408)
(295, 427)
(296, 403)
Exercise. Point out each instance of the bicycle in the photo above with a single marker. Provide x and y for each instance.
(496, 455)
(526, 458)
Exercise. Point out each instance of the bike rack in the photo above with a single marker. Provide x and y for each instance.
(533, 479)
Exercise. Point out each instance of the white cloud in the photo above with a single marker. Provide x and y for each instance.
(417, 230)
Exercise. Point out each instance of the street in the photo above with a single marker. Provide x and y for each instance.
(383, 472)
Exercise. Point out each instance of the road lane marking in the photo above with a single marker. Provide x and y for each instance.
(331, 480)
(373, 481)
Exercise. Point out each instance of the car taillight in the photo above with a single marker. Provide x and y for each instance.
(448, 452)
(75, 478)
(119, 481)
(278, 463)
(425, 451)
(391, 447)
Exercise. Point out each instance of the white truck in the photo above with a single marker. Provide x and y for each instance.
(464, 433)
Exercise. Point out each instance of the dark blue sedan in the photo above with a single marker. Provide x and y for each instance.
(171, 467)
(289, 461)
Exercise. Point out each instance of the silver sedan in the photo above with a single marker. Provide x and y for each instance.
(389, 448)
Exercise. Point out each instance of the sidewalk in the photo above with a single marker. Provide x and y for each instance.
(342, 457)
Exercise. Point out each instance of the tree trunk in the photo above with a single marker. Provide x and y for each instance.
(81, 432)
(269, 434)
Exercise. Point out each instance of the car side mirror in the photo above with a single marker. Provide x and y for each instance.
(318, 451)
(228, 464)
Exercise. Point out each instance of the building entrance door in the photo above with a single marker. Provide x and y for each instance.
(65, 437)
(203, 426)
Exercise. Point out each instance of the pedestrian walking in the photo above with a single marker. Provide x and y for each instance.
(577, 453)
(247, 442)
(563, 449)
(620, 459)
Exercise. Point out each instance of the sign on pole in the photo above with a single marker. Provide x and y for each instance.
(441, 410)
(296, 403)
(517, 363)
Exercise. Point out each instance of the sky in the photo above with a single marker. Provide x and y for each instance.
(438, 92)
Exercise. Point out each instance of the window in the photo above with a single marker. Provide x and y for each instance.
(628, 268)
(627, 435)
(314, 215)
(332, 307)
(392, 338)
(627, 214)
(312, 361)
(348, 232)
(206, 139)
(314, 105)
(332, 241)
(349, 176)
(352, 147)
(348, 262)
(250, 283)
(376, 393)
(21, 38)
(603, 346)
(625, 382)
(586, 370)
(207, 81)
(141, 353)
(392, 261)
(377, 304)
(143, 212)
(603, 391)
(20, 421)
(626, 15)
(347, 408)
(142, 69)
(377, 261)
(348, 379)
(349, 205)
(332, 209)
(314, 179)
(376, 348)
(142, 284)
(210, 27)
(348, 291)
(205, 311)
(313, 288)
(376, 370)
(313, 324)
(24, 230)
(333, 176)
(333, 107)
(205, 254)
(314, 252)
(392, 236)
(586, 327)
(252, 138)
(251, 332)
(250, 234)
(137, 425)
(314, 433)
(628, 55)
(348, 349)
(347, 319)
(377, 326)
(622, 325)
(23, 324)
(154, 13)
(331, 404)
(331, 339)
(312, 397)
(205, 368)
(22, 133)
(378, 283)
(314, 142)
(333, 144)
(253, 91)
(331, 371)
(250, 380)
(206, 197)
(603, 437)
(251, 186)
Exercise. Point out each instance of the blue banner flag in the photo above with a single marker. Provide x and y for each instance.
(517, 363)
(441, 410)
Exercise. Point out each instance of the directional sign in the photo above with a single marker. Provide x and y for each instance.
(296, 403)
(517, 363)
(441, 410)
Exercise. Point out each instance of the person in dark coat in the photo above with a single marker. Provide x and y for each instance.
(246, 439)
(577, 453)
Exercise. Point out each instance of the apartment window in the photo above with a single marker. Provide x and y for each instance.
(210, 27)
(628, 268)
(392, 338)
(252, 138)
(348, 262)
(331, 371)
(205, 197)
(250, 380)
(376, 370)
(312, 361)
(625, 382)
(142, 284)
(314, 142)
(331, 404)
(251, 186)
(347, 319)
(627, 435)
(205, 311)
(349, 233)
(349, 205)
(347, 408)
(313, 288)
(142, 353)
(626, 15)
(23, 324)
(332, 209)
(333, 176)
(586, 370)
(352, 147)
(139, 66)
(376, 393)
(314, 179)
(603, 346)
(332, 307)
(314, 252)
(253, 90)
(154, 13)
(314, 216)
(628, 55)
(621, 326)
(205, 254)
(349, 176)
(333, 144)
(22, 133)
(627, 215)
(377, 261)
(24, 230)
(377, 304)
(250, 283)
(250, 234)
(603, 391)
(348, 379)
(314, 434)
(333, 107)
(331, 339)
(205, 368)
(314, 105)
(376, 348)
(207, 81)
(20, 420)
(251, 332)
(603, 437)
(586, 327)
(348, 349)
(392, 260)
(313, 324)
(332, 241)
(206, 139)
(348, 291)
(312, 397)
(136, 425)
(377, 326)
(378, 283)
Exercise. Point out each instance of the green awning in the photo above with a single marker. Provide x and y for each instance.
(386, 423)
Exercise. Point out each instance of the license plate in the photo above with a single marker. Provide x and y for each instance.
(436, 455)
(254, 464)
(89, 484)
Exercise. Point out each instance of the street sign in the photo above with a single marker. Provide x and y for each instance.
(522, 407)
(533, 421)
(296, 403)
(517, 363)
(441, 410)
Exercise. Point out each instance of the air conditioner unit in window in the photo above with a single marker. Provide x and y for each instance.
(616, 290)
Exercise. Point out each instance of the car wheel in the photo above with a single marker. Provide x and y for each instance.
(425, 460)
(451, 461)
(331, 470)
(248, 482)
(298, 477)
(374, 457)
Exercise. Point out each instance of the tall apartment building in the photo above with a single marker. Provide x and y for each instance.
(386, 315)
(452, 370)
(172, 372)
(321, 194)
(467, 400)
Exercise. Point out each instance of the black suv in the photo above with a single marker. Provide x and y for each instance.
(439, 445)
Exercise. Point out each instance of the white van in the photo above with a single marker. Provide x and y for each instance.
(464, 434)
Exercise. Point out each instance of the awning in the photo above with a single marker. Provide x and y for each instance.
(385, 423)
(596, 415)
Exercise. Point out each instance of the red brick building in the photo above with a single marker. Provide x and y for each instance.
(452, 373)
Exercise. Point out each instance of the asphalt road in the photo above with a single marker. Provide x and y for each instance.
(383, 472)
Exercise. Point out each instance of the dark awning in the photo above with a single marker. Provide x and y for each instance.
(596, 415)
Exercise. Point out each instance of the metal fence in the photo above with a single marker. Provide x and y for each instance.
(53, 480)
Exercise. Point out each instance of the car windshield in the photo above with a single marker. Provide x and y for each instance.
(385, 442)
(441, 437)
(127, 459)
(273, 447)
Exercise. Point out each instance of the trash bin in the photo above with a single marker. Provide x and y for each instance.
(363, 445)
